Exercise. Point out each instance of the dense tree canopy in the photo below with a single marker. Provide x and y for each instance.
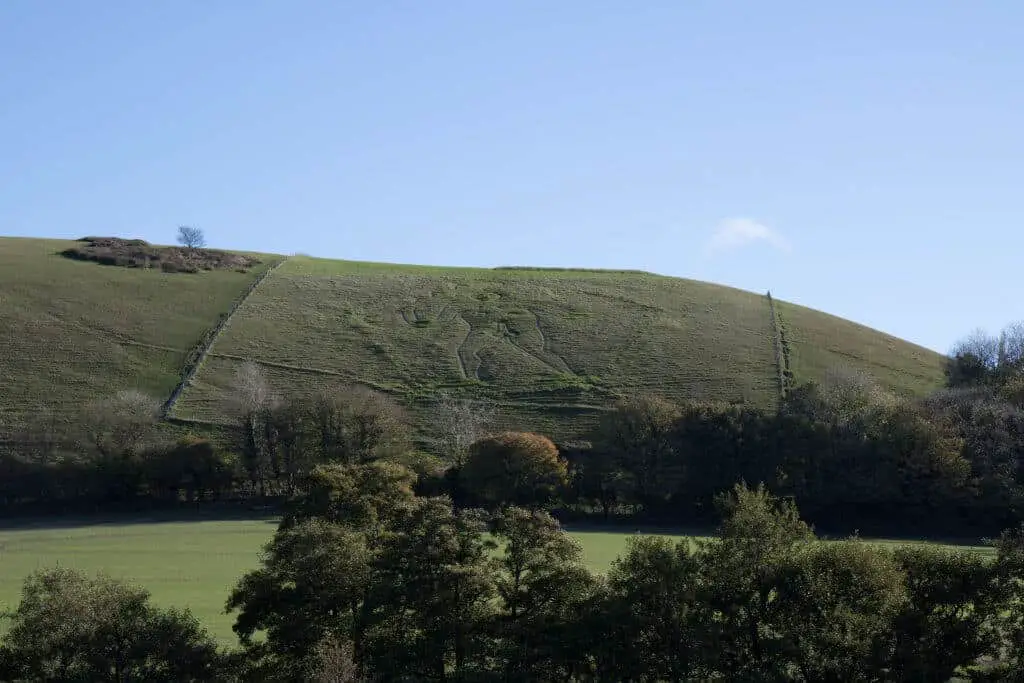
(371, 576)
(71, 627)
(514, 467)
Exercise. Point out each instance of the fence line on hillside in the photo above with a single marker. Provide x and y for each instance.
(199, 352)
(780, 362)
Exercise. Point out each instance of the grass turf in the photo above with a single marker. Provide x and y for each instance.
(192, 564)
(74, 331)
(551, 347)
(819, 342)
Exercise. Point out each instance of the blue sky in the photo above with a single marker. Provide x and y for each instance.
(865, 158)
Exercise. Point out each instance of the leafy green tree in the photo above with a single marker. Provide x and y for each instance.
(311, 587)
(948, 620)
(71, 627)
(1012, 392)
(717, 445)
(914, 461)
(192, 466)
(312, 590)
(742, 571)
(656, 620)
(357, 425)
(596, 477)
(432, 595)
(1008, 583)
(362, 497)
(639, 434)
(836, 605)
(288, 431)
(544, 587)
(514, 467)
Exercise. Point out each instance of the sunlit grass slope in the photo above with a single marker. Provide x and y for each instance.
(72, 331)
(819, 342)
(552, 347)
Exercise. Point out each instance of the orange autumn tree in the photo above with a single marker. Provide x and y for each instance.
(518, 468)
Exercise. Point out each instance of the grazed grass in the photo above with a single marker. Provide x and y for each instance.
(194, 564)
(72, 331)
(819, 342)
(553, 347)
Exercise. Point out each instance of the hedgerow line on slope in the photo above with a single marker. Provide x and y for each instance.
(777, 346)
(787, 370)
(197, 356)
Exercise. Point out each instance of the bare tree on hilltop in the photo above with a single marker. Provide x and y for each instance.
(191, 237)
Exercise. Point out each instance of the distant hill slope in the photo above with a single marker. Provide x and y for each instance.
(552, 347)
(72, 331)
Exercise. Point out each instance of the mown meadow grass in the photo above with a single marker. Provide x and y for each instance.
(194, 564)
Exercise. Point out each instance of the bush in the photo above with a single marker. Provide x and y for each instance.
(71, 627)
(131, 253)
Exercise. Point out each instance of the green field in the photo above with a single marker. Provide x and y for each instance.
(190, 564)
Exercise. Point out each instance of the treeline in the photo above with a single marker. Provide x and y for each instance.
(116, 451)
(851, 454)
(366, 581)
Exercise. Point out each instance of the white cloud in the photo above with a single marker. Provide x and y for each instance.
(736, 233)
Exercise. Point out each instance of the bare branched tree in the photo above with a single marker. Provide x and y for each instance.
(461, 422)
(333, 661)
(984, 359)
(250, 391)
(981, 346)
(191, 237)
(850, 392)
(117, 426)
(1011, 345)
(252, 401)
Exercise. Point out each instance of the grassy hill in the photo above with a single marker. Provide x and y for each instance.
(551, 347)
(72, 331)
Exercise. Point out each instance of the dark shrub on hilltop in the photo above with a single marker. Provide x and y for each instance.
(131, 253)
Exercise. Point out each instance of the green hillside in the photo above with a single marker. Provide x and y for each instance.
(551, 347)
(72, 331)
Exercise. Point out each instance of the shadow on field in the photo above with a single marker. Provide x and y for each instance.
(641, 530)
(205, 513)
(976, 543)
